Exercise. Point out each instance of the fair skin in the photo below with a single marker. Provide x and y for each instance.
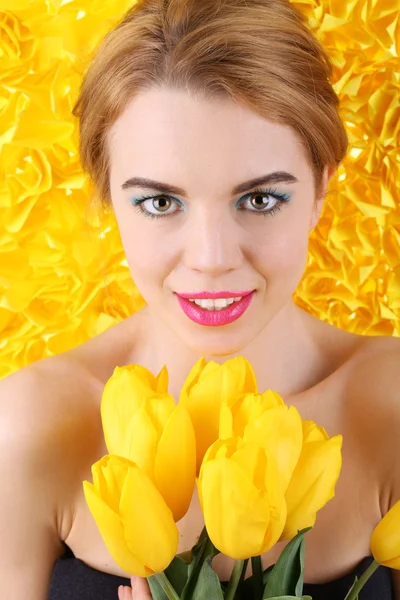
(50, 428)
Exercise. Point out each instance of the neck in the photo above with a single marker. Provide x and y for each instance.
(284, 355)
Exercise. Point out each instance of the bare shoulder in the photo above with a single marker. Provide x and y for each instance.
(41, 395)
(376, 366)
(98, 357)
(374, 393)
(50, 423)
(47, 423)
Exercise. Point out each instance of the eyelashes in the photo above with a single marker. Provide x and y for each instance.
(281, 198)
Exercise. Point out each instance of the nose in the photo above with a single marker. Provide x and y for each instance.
(213, 243)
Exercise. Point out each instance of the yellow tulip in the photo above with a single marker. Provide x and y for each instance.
(122, 396)
(241, 497)
(207, 386)
(314, 478)
(142, 423)
(265, 420)
(240, 410)
(134, 521)
(385, 539)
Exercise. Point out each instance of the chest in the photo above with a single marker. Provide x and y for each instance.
(340, 537)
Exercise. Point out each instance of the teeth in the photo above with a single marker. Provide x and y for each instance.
(217, 304)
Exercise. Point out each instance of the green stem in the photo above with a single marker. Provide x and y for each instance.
(256, 568)
(235, 579)
(206, 548)
(353, 595)
(166, 586)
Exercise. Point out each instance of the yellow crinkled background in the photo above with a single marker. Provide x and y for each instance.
(63, 272)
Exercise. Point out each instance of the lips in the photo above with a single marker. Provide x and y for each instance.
(214, 318)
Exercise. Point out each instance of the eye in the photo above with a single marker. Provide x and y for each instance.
(261, 201)
(156, 206)
(264, 202)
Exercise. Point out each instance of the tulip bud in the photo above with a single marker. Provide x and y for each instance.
(207, 386)
(239, 411)
(278, 430)
(134, 521)
(142, 423)
(241, 497)
(385, 539)
(314, 478)
(121, 398)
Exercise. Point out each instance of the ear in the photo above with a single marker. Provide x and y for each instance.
(319, 202)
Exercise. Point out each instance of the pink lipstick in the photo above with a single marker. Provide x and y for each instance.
(215, 318)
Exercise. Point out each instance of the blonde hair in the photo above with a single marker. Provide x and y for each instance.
(257, 52)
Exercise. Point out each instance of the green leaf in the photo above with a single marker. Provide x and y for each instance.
(266, 573)
(208, 584)
(257, 570)
(246, 586)
(186, 556)
(203, 549)
(287, 576)
(300, 581)
(177, 573)
(156, 590)
(352, 588)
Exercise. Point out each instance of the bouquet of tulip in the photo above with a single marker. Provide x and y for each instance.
(261, 473)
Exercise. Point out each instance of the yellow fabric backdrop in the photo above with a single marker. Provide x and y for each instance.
(63, 273)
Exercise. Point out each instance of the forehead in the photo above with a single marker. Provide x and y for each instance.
(165, 131)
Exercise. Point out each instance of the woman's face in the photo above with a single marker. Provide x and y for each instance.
(213, 232)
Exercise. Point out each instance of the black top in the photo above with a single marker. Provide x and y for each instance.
(73, 580)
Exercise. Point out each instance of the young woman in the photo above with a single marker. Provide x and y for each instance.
(212, 131)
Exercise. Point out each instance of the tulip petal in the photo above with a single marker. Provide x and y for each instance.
(149, 528)
(141, 440)
(312, 484)
(162, 381)
(192, 379)
(217, 450)
(112, 532)
(262, 470)
(108, 478)
(210, 368)
(279, 431)
(175, 465)
(237, 376)
(251, 406)
(253, 461)
(243, 409)
(313, 432)
(225, 423)
(159, 409)
(240, 369)
(250, 383)
(207, 387)
(122, 396)
(204, 408)
(236, 513)
(393, 563)
(385, 539)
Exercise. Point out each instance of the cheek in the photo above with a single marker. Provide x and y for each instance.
(145, 252)
(284, 256)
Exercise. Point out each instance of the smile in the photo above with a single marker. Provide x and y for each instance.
(215, 311)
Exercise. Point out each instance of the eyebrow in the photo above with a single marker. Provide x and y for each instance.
(276, 177)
